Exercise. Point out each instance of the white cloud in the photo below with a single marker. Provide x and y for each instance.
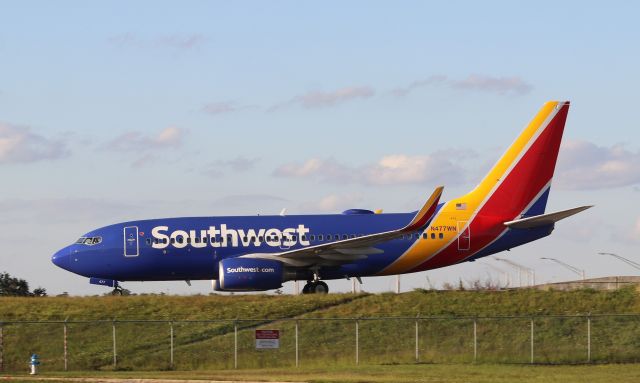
(170, 137)
(224, 107)
(585, 165)
(147, 147)
(403, 169)
(502, 85)
(391, 169)
(249, 200)
(236, 165)
(505, 85)
(333, 203)
(18, 144)
(183, 42)
(321, 99)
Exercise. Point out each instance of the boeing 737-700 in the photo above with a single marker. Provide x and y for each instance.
(258, 253)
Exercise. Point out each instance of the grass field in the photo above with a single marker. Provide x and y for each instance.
(620, 373)
(144, 346)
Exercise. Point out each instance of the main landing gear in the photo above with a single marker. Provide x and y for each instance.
(315, 286)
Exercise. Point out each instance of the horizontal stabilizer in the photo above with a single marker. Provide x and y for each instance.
(544, 219)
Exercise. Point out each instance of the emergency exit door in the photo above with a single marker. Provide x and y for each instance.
(131, 246)
(464, 235)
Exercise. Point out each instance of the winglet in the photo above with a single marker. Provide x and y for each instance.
(427, 211)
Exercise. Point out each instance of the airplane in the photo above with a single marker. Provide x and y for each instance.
(259, 253)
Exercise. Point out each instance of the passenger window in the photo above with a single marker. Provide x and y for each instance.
(164, 240)
(433, 235)
(304, 237)
(197, 240)
(440, 235)
(312, 238)
(344, 236)
(173, 240)
(260, 239)
(424, 235)
(148, 241)
(353, 235)
(320, 237)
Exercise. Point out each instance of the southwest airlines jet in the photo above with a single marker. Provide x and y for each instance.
(257, 253)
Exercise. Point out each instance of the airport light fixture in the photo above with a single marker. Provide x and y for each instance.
(574, 269)
(521, 268)
(623, 259)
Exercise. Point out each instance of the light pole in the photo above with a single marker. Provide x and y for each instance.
(574, 269)
(521, 268)
(507, 279)
(623, 259)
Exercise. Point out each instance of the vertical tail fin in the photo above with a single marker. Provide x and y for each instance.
(516, 187)
(519, 182)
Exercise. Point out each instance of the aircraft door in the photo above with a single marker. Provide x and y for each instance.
(286, 241)
(131, 246)
(464, 236)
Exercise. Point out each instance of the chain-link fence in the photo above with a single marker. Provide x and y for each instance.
(225, 344)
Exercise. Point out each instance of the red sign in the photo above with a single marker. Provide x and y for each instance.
(267, 338)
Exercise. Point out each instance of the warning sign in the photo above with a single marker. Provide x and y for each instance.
(267, 339)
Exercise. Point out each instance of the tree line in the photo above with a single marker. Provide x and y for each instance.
(11, 286)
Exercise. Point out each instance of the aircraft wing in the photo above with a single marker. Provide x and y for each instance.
(544, 219)
(353, 249)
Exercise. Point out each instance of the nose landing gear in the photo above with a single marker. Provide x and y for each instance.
(117, 289)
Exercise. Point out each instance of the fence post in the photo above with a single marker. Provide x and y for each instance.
(357, 344)
(66, 361)
(297, 349)
(589, 338)
(235, 344)
(417, 344)
(171, 351)
(1, 346)
(115, 354)
(531, 341)
(475, 340)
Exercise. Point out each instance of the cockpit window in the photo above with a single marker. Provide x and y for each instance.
(90, 241)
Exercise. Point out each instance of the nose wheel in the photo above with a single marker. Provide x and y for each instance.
(315, 287)
(117, 290)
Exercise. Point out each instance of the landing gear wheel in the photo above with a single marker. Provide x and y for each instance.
(117, 290)
(320, 287)
(317, 287)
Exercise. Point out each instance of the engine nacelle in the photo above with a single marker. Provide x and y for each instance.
(246, 274)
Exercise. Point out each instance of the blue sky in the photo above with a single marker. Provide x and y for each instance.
(116, 110)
